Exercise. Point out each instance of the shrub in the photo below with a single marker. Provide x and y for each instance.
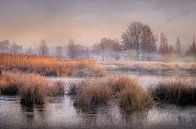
(175, 92)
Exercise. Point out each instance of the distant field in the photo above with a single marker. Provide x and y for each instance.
(50, 66)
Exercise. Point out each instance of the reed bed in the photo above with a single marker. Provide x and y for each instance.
(127, 91)
(153, 67)
(175, 92)
(50, 66)
(32, 88)
(92, 96)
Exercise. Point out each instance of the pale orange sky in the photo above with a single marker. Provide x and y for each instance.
(87, 21)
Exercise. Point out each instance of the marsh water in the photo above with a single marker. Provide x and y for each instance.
(59, 112)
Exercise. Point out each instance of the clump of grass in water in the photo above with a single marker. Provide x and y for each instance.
(73, 88)
(175, 92)
(129, 93)
(31, 96)
(92, 96)
(10, 83)
(33, 88)
(33, 91)
(133, 99)
(56, 89)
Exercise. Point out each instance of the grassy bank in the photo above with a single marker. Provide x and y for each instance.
(50, 66)
(32, 88)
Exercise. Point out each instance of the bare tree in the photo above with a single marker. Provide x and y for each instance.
(164, 48)
(59, 51)
(178, 46)
(140, 37)
(29, 51)
(15, 48)
(4, 46)
(192, 48)
(107, 47)
(43, 48)
(72, 49)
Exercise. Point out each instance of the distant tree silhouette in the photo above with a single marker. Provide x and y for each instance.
(139, 37)
(59, 51)
(29, 51)
(15, 48)
(178, 46)
(192, 48)
(72, 49)
(43, 48)
(4, 46)
(164, 48)
(107, 47)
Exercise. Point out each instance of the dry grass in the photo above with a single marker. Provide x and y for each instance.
(56, 88)
(129, 93)
(50, 66)
(175, 92)
(33, 88)
(153, 67)
(91, 96)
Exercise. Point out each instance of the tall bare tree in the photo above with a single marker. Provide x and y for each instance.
(29, 51)
(15, 48)
(72, 49)
(164, 48)
(43, 48)
(192, 48)
(178, 46)
(139, 37)
(59, 51)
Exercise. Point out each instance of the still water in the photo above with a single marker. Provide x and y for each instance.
(59, 113)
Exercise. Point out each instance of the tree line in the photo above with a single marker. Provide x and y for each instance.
(138, 37)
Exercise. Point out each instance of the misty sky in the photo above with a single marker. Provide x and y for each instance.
(87, 21)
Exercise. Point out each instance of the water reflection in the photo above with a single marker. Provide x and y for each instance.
(59, 113)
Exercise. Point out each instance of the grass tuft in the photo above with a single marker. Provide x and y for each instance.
(126, 90)
(175, 92)
(92, 96)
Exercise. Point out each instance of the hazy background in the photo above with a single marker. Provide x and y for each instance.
(87, 21)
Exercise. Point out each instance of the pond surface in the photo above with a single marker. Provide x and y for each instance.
(59, 112)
